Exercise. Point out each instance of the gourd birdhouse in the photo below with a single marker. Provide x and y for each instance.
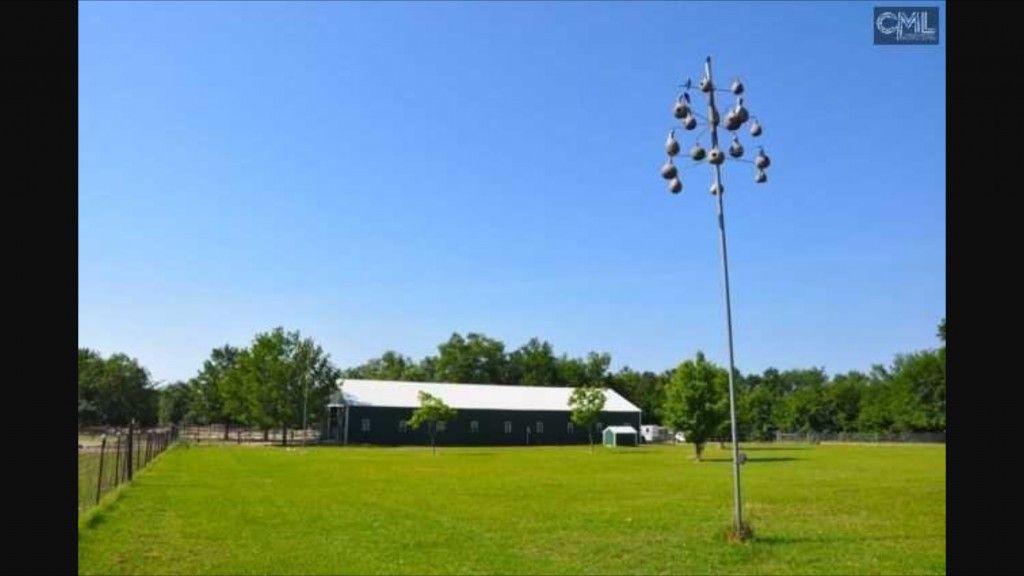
(697, 153)
(681, 109)
(668, 170)
(671, 144)
(761, 160)
(675, 186)
(735, 149)
(740, 111)
(737, 87)
(715, 156)
(732, 123)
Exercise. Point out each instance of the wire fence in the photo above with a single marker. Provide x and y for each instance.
(116, 458)
(238, 435)
(862, 437)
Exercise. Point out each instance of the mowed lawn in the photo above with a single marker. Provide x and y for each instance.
(829, 509)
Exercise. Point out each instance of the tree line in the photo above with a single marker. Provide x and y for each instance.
(908, 395)
(274, 383)
(281, 376)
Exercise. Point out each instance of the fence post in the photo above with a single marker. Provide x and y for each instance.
(117, 461)
(121, 458)
(99, 478)
(130, 452)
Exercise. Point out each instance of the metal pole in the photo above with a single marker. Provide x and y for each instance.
(713, 119)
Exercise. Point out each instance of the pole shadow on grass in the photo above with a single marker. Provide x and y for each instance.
(777, 540)
(754, 459)
(783, 540)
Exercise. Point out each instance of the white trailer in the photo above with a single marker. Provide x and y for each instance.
(652, 433)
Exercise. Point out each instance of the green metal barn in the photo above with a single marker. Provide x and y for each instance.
(377, 411)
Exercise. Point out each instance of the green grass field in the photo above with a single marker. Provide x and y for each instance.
(255, 510)
(88, 470)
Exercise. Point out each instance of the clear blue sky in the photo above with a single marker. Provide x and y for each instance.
(379, 175)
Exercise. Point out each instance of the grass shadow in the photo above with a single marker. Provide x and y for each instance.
(95, 519)
(776, 540)
(753, 459)
(784, 540)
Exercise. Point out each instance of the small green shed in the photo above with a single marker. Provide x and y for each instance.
(620, 436)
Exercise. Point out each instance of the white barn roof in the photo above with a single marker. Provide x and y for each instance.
(621, 429)
(391, 394)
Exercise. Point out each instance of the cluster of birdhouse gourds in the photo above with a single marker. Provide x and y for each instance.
(735, 118)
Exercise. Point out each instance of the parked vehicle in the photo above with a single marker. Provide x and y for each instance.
(652, 433)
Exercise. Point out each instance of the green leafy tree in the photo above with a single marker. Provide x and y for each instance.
(276, 380)
(474, 359)
(757, 409)
(876, 411)
(174, 403)
(90, 377)
(318, 377)
(572, 372)
(919, 392)
(237, 391)
(114, 391)
(845, 394)
(772, 381)
(389, 366)
(210, 401)
(533, 364)
(794, 380)
(582, 372)
(256, 385)
(808, 409)
(425, 370)
(586, 404)
(697, 401)
(644, 389)
(431, 411)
